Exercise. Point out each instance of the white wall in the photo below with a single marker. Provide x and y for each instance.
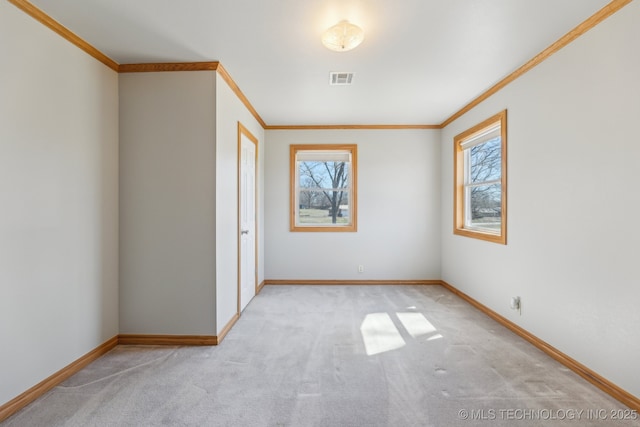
(398, 235)
(178, 136)
(573, 197)
(58, 192)
(570, 254)
(230, 110)
(167, 203)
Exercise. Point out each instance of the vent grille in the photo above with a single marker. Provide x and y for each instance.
(340, 78)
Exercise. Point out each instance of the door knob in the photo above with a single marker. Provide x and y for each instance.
(244, 232)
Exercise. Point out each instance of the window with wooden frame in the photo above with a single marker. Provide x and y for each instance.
(480, 173)
(323, 194)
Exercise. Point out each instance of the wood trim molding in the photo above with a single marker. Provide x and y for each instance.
(260, 286)
(351, 282)
(168, 66)
(194, 66)
(350, 127)
(459, 198)
(36, 13)
(602, 383)
(38, 390)
(223, 333)
(353, 183)
(585, 26)
(41, 388)
(145, 339)
(55, 26)
(242, 130)
(31, 10)
(236, 89)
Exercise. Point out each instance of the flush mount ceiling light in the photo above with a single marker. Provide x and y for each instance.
(343, 36)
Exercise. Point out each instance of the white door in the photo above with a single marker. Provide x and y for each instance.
(247, 224)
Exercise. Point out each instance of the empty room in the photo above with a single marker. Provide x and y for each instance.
(319, 213)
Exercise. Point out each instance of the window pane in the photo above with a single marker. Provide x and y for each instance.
(329, 175)
(486, 161)
(323, 155)
(485, 207)
(480, 176)
(316, 207)
(322, 188)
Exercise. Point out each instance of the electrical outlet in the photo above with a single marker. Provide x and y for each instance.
(361, 269)
(516, 304)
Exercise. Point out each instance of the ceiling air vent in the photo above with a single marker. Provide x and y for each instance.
(340, 78)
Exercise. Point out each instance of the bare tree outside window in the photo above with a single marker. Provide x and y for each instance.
(323, 182)
(480, 174)
(486, 169)
(323, 186)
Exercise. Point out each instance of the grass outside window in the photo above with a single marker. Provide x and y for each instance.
(480, 176)
(323, 194)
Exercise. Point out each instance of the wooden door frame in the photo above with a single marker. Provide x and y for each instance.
(242, 130)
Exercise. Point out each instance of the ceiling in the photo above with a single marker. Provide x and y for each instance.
(420, 62)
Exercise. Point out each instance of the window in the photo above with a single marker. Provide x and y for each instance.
(480, 170)
(323, 187)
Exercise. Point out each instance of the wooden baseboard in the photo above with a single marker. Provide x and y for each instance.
(38, 390)
(223, 333)
(41, 388)
(142, 339)
(260, 286)
(602, 383)
(351, 282)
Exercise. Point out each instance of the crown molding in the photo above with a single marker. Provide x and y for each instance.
(582, 28)
(67, 34)
(349, 127)
(222, 72)
(168, 66)
(194, 66)
(54, 25)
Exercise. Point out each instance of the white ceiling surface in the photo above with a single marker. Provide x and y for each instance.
(420, 62)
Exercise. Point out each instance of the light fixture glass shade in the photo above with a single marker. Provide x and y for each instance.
(343, 36)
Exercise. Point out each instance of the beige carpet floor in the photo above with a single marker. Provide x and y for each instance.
(334, 356)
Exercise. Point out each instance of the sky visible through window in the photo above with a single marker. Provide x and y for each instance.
(484, 173)
(324, 192)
